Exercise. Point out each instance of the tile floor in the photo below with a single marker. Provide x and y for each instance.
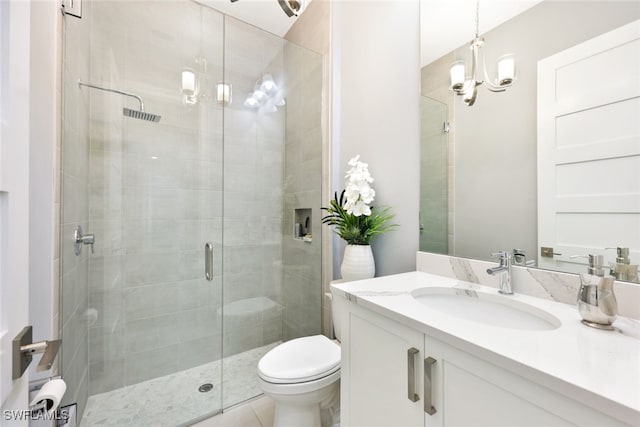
(256, 413)
(174, 399)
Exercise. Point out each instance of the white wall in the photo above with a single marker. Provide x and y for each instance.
(44, 199)
(30, 96)
(376, 114)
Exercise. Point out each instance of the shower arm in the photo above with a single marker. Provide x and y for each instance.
(120, 92)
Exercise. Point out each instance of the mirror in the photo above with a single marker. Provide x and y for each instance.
(551, 164)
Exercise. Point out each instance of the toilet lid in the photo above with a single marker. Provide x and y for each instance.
(300, 360)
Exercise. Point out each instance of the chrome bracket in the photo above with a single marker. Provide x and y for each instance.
(23, 349)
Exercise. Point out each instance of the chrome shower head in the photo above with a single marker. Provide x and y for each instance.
(128, 112)
(142, 115)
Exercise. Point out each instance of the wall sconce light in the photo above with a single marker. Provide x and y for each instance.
(189, 86)
(223, 93)
(468, 88)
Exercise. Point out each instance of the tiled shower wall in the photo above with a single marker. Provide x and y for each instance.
(312, 30)
(302, 279)
(74, 270)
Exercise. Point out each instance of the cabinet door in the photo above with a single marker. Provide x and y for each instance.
(472, 392)
(381, 367)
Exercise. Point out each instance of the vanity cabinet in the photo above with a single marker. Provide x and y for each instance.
(384, 366)
(383, 383)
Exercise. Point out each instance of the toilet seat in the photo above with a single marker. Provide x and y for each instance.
(300, 361)
(299, 389)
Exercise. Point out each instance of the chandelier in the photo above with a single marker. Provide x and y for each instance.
(468, 87)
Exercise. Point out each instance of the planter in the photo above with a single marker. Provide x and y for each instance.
(358, 263)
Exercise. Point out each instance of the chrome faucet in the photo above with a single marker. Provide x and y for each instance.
(504, 268)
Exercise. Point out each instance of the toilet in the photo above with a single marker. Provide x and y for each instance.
(302, 376)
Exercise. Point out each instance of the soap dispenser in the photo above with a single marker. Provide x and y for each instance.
(596, 301)
(622, 269)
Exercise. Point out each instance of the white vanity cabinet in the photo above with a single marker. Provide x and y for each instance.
(375, 392)
(383, 369)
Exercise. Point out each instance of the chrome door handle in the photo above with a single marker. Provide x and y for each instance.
(428, 385)
(411, 374)
(208, 261)
(82, 239)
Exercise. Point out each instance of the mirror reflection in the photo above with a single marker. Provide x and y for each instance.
(538, 155)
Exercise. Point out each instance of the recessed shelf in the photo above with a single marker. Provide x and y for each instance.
(302, 221)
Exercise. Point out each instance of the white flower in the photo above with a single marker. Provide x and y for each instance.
(360, 208)
(358, 192)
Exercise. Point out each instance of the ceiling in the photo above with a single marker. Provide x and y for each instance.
(446, 25)
(265, 14)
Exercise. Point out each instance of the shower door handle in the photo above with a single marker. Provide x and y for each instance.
(208, 261)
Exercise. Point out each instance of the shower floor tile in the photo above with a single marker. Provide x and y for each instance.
(174, 399)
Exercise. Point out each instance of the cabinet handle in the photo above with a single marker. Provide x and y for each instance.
(411, 374)
(428, 407)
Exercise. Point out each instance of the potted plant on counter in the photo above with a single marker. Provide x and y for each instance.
(357, 222)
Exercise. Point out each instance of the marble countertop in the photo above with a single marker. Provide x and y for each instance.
(598, 368)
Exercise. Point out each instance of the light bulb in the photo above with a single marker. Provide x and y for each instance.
(259, 95)
(457, 75)
(189, 84)
(506, 69)
(268, 85)
(251, 102)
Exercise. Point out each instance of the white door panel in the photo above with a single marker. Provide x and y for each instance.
(589, 147)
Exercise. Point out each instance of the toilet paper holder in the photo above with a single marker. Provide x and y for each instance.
(24, 348)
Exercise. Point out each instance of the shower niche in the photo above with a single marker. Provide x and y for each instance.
(302, 222)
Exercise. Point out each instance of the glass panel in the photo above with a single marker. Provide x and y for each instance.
(272, 182)
(433, 176)
(153, 321)
(74, 269)
(253, 157)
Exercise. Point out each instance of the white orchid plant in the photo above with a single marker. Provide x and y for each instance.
(355, 220)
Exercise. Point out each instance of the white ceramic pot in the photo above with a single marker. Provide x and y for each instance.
(358, 263)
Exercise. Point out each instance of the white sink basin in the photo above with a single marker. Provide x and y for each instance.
(490, 309)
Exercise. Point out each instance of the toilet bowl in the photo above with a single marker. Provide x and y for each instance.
(302, 376)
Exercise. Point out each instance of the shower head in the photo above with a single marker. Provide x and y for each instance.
(136, 114)
(142, 115)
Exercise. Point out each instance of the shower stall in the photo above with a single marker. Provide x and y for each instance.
(191, 194)
(434, 176)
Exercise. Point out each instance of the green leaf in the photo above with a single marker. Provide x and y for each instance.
(357, 230)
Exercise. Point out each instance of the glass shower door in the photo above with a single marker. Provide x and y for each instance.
(151, 193)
